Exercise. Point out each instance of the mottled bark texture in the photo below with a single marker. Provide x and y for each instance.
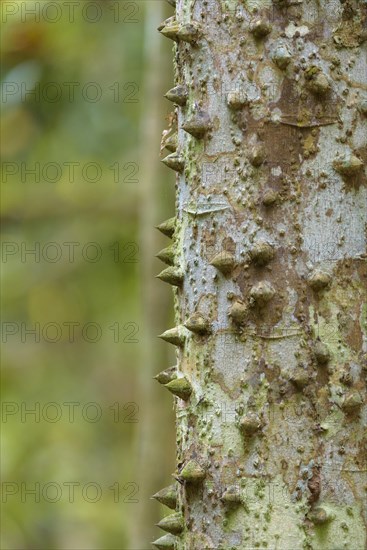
(268, 139)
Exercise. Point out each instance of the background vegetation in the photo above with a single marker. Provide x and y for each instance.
(76, 106)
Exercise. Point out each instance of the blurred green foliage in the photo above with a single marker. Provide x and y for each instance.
(51, 71)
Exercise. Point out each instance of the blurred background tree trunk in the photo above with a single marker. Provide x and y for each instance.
(154, 454)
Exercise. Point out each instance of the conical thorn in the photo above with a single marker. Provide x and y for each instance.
(348, 166)
(180, 387)
(171, 143)
(317, 81)
(174, 161)
(238, 312)
(320, 515)
(177, 95)
(261, 294)
(174, 336)
(197, 324)
(171, 275)
(250, 424)
(321, 353)
(189, 33)
(231, 496)
(167, 227)
(169, 28)
(167, 496)
(262, 253)
(167, 375)
(224, 261)
(173, 523)
(257, 155)
(167, 255)
(260, 28)
(352, 402)
(167, 542)
(198, 124)
(192, 472)
(319, 280)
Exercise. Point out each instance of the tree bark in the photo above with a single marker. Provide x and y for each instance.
(269, 275)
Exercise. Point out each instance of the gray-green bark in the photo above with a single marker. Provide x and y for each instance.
(269, 275)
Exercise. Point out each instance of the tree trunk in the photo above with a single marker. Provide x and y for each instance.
(269, 275)
(151, 432)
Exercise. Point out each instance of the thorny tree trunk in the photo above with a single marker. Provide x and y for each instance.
(270, 275)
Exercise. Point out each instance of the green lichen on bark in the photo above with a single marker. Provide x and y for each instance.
(270, 239)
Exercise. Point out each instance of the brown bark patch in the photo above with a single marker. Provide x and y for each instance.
(314, 485)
